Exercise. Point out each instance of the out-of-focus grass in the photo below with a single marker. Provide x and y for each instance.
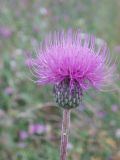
(95, 130)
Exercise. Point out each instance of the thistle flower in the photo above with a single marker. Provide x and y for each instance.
(72, 62)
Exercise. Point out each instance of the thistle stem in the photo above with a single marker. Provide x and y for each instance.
(64, 134)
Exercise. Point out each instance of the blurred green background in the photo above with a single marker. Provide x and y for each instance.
(30, 122)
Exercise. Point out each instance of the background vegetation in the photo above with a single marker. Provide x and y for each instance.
(30, 122)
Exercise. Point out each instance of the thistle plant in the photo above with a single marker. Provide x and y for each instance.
(72, 62)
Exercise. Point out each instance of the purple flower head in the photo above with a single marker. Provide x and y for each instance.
(74, 61)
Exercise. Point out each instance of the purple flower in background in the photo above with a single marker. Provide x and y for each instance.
(101, 114)
(73, 62)
(9, 90)
(37, 128)
(5, 32)
(23, 135)
(114, 108)
(69, 146)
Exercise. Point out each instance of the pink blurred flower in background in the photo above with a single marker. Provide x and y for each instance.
(9, 90)
(101, 114)
(5, 32)
(69, 146)
(114, 108)
(36, 128)
(23, 135)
